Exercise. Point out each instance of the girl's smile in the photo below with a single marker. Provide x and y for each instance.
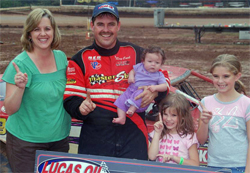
(170, 119)
(224, 80)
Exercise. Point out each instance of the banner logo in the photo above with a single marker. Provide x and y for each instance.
(71, 165)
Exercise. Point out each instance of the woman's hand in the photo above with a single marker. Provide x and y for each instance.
(21, 79)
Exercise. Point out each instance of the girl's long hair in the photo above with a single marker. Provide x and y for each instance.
(185, 123)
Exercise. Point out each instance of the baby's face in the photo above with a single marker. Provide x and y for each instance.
(152, 62)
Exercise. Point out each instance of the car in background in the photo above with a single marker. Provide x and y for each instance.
(3, 115)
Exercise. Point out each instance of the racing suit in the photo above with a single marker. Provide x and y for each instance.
(104, 73)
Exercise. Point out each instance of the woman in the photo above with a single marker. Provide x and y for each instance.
(35, 83)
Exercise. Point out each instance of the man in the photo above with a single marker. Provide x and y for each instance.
(96, 76)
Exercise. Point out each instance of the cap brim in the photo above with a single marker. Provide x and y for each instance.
(105, 12)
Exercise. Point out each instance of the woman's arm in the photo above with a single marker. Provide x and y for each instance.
(13, 98)
(14, 93)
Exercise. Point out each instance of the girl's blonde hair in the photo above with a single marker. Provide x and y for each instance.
(233, 65)
(32, 22)
(178, 102)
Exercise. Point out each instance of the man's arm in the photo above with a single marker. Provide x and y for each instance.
(71, 105)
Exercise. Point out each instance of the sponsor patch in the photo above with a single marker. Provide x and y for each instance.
(122, 58)
(71, 81)
(96, 65)
(122, 63)
(94, 58)
(71, 69)
(101, 78)
(106, 6)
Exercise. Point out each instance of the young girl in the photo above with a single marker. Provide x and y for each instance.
(225, 118)
(174, 139)
(147, 74)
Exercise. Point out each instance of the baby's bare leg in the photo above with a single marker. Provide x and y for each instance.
(121, 117)
(131, 110)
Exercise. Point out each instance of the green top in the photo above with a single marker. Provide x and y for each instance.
(41, 117)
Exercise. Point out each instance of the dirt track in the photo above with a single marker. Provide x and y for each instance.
(17, 19)
(179, 45)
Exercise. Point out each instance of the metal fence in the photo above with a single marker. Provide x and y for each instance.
(133, 3)
(22, 3)
(166, 3)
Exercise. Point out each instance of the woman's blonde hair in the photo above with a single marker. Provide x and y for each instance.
(32, 22)
(233, 65)
(179, 103)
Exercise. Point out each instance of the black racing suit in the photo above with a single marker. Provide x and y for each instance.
(104, 73)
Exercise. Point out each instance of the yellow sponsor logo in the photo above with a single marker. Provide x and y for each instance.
(71, 81)
(2, 126)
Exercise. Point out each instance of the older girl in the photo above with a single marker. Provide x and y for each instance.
(225, 118)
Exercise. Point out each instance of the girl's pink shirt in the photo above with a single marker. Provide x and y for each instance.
(176, 145)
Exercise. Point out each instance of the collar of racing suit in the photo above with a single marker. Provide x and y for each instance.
(107, 52)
